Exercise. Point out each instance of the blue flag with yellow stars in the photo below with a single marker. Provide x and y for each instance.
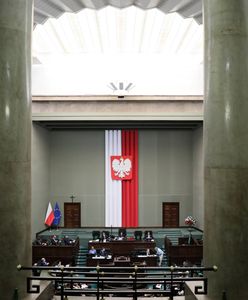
(57, 215)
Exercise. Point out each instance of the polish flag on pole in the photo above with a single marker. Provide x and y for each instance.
(49, 215)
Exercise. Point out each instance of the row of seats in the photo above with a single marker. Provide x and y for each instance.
(122, 232)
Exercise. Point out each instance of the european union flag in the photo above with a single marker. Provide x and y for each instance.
(57, 215)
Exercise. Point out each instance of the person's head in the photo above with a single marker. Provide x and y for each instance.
(156, 249)
(186, 263)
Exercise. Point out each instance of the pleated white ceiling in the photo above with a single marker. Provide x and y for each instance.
(45, 9)
(111, 30)
(116, 36)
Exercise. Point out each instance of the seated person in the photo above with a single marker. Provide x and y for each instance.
(122, 234)
(104, 236)
(54, 241)
(148, 236)
(92, 251)
(187, 263)
(37, 242)
(42, 262)
(44, 242)
(58, 264)
(67, 241)
(103, 252)
(41, 242)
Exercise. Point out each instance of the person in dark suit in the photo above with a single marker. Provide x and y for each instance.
(67, 241)
(40, 242)
(103, 252)
(148, 236)
(54, 241)
(42, 262)
(37, 242)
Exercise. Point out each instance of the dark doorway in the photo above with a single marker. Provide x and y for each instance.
(72, 215)
(170, 214)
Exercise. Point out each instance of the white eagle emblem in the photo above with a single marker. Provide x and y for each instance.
(122, 167)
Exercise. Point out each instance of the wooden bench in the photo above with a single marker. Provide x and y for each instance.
(184, 252)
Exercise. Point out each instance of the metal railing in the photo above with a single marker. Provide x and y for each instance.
(132, 281)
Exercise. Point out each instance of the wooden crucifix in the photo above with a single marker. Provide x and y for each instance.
(72, 198)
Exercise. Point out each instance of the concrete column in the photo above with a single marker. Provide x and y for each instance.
(226, 146)
(15, 146)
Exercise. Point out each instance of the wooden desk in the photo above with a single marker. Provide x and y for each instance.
(65, 254)
(122, 261)
(177, 254)
(148, 261)
(122, 248)
(99, 261)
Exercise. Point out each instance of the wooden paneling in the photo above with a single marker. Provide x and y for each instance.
(177, 254)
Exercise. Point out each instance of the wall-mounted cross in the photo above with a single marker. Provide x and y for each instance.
(72, 198)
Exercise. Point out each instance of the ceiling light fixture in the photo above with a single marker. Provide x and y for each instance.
(120, 88)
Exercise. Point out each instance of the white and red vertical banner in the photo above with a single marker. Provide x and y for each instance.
(121, 173)
(113, 188)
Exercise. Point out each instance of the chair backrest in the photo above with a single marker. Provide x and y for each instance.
(96, 234)
(98, 252)
(138, 234)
